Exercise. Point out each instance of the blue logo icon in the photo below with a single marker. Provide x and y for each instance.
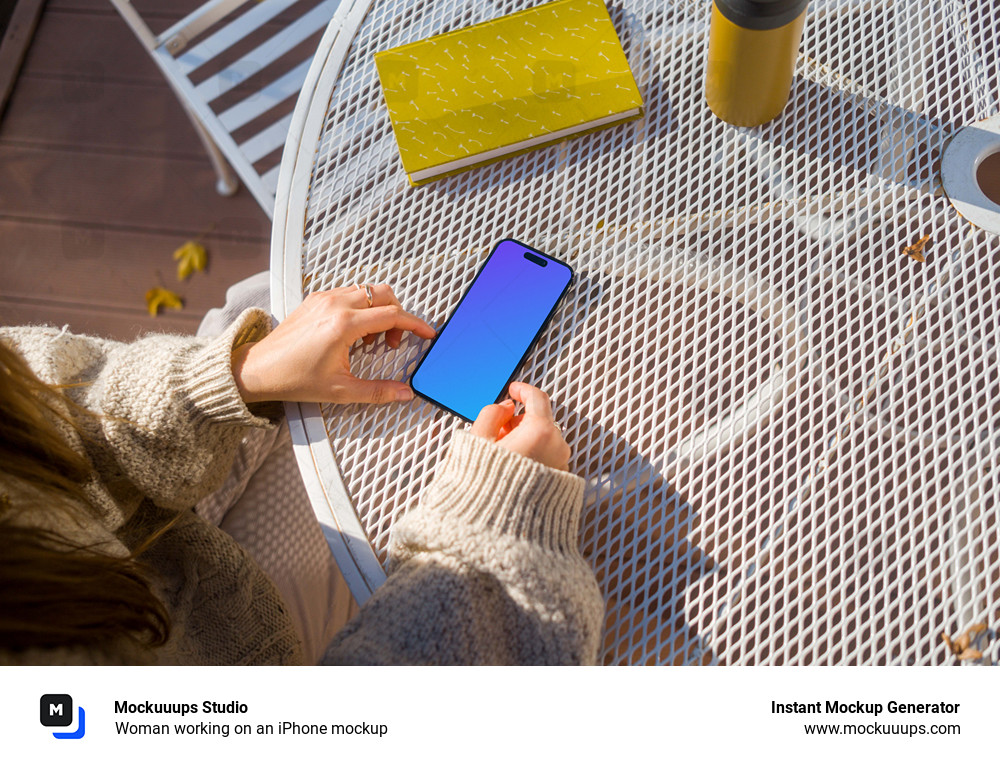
(57, 710)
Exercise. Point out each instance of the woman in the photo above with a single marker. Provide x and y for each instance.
(107, 446)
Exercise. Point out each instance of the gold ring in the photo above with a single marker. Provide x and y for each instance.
(368, 293)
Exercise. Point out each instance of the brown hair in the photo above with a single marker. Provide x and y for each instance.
(56, 592)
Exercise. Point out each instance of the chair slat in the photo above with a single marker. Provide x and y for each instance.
(267, 140)
(230, 34)
(188, 28)
(270, 179)
(269, 51)
(268, 97)
(232, 26)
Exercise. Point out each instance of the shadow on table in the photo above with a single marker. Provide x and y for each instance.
(635, 533)
(580, 157)
(857, 134)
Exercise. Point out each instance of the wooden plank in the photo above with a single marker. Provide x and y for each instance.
(96, 49)
(115, 268)
(59, 274)
(92, 47)
(118, 116)
(175, 9)
(90, 320)
(116, 191)
(157, 14)
(14, 45)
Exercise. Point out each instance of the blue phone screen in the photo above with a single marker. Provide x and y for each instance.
(489, 333)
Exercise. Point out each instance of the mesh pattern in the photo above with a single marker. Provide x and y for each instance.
(787, 423)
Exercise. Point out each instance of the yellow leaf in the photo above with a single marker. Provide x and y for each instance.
(158, 297)
(916, 250)
(190, 257)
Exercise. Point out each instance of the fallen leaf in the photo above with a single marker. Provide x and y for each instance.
(161, 297)
(916, 250)
(190, 257)
(947, 642)
(961, 646)
(962, 642)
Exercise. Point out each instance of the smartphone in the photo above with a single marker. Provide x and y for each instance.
(476, 354)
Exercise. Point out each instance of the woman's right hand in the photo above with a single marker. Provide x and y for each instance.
(307, 358)
(533, 434)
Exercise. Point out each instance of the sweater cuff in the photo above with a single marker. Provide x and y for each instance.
(481, 484)
(208, 377)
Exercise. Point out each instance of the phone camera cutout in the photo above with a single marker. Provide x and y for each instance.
(536, 260)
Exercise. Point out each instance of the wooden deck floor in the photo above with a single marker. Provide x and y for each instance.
(102, 177)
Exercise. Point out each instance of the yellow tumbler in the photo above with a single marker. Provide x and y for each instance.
(752, 48)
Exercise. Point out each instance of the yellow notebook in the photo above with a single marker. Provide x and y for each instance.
(502, 87)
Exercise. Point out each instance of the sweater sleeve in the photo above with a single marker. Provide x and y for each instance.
(487, 570)
(170, 414)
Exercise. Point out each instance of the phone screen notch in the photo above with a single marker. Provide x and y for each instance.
(536, 260)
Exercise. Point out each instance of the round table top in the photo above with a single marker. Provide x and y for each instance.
(777, 367)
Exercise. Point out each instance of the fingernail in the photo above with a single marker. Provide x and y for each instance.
(404, 395)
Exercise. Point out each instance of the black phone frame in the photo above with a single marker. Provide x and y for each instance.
(531, 345)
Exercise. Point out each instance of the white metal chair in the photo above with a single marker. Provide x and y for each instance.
(237, 67)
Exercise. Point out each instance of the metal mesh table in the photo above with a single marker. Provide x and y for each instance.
(788, 422)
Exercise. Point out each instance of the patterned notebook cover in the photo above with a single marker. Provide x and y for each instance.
(504, 86)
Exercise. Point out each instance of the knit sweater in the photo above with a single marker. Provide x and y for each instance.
(485, 570)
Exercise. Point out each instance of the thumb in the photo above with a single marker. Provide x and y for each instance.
(491, 419)
(380, 391)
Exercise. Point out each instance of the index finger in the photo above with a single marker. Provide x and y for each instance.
(384, 318)
(536, 402)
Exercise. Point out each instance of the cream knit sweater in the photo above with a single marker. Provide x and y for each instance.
(486, 570)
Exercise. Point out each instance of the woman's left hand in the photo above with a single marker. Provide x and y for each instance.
(306, 358)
